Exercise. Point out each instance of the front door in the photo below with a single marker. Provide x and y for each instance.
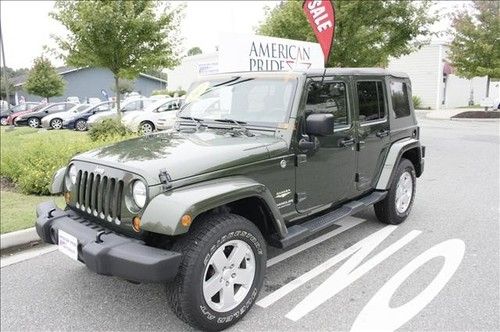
(326, 176)
(372, 130)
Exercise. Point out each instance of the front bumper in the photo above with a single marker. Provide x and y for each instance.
(21, 122)
(105, 252)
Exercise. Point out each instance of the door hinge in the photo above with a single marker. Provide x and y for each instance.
(300, 159)
(165, 179)
(356, 177)
(299, 197)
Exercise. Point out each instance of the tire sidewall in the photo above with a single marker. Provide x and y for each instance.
(79, 121)
(4, 121)
(53, 121)
(404, 166)
(37, 122)
(201, 312)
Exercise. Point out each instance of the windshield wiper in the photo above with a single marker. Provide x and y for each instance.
(239, 124)
(198, 121)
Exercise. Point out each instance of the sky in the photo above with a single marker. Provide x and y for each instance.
(27, 27)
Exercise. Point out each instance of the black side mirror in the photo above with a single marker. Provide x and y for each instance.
(320, 124)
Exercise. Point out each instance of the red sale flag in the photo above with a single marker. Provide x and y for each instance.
(321, 17)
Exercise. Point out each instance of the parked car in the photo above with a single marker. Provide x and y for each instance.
(127, 105)
(34, 119)
(146, 121)
(73, 99)
(78, 120)
(55, 120)
(15, 109)
(12, 118)
(279, 158)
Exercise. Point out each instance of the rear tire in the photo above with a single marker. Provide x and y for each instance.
(56, 123)
(396, 206)
(81, 125)
(221, 273)
(3, 121)
(146, 127)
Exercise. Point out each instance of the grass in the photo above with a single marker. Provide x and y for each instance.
(18, 210)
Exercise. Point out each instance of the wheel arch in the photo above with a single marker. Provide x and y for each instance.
(238, 195)
(410, 149)
(147, 121)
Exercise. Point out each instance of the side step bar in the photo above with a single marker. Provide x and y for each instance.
(299, 232)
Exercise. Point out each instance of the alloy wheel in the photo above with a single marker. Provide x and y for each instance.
(56, 123)
(33, 122)
(404, 192)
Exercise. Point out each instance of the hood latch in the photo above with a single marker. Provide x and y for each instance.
(165, 179)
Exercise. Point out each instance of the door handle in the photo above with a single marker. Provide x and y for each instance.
(347, 142)
(382, 133)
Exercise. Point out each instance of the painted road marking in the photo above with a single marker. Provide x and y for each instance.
(25, 255)
(378, 315)
(345, 224)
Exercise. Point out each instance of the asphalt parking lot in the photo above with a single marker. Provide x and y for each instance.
(437, 271)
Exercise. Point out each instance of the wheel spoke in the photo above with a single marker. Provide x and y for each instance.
(243, 277)
(237, 255)
(219, 260)
(227, 298)
(213, 285)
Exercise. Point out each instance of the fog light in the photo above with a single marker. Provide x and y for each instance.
(67, 197)
(186, 220)
(136, 223)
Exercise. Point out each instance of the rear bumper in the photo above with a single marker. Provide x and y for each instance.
(69, 124)
(108, 254)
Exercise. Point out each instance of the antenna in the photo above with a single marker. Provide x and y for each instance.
(323, 77)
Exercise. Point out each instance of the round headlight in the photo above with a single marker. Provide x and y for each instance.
(139, 193)
(71, 177)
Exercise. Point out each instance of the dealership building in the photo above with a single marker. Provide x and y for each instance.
(89, 83)
(433, 78)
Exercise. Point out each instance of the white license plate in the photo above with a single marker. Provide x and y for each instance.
(68, 244)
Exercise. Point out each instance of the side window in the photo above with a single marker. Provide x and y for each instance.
(370, 100)
(400, 100)
(133, 106)
(328, 97)
(56, 108)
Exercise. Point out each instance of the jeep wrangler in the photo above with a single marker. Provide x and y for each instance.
(255, 159)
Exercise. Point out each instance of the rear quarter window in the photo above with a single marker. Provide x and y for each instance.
(400, 99)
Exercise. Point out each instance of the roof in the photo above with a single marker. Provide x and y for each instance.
(21, 79)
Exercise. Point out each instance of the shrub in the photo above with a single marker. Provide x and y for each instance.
(30, 157)
(109, 129)
(417, 102)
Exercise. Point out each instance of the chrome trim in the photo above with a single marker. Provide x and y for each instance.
(373, 122)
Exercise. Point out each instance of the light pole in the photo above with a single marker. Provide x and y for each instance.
(7, 96)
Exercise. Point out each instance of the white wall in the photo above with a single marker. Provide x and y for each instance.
(189, 70)
(424, 67)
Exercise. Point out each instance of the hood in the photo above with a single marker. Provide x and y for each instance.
(18, 114)
(184, 154)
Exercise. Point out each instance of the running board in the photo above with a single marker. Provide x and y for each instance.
(299, 232)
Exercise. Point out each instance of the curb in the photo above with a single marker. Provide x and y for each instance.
(18, 238)
(478, 119)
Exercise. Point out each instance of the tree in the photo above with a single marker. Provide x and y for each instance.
(127, 37)
(194, 50)
(43, 80)
(3, 91)
(475, 49)
(367, 33)
(124, 86)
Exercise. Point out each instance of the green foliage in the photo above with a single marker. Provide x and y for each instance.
(43, 80)
(124, 86)
(367, 33)
(109, 129)
(30, 157)
(194, 50)
(127, 37)
(3, 85)
(417, 102)
(475, 49)
(171, 93)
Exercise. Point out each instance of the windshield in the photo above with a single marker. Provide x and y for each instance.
(260, 101)
(157, 104)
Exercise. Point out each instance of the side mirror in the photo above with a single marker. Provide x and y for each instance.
(319, 124)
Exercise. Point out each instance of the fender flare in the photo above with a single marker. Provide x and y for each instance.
(57, 184)
(164, 212)
(392, 160)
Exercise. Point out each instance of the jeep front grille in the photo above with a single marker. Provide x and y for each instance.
(99, 195)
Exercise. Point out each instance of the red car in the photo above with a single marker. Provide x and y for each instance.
(11, 118)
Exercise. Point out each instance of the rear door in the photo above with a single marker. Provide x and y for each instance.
(372, 129)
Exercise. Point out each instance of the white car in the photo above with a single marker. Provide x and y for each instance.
(55, 120)
(127, 105)
(147, 120)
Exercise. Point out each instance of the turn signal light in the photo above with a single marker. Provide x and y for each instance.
(186, 220)
(136, 224)
(67, 197)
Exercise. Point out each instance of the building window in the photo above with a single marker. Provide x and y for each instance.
(370, 100)
(328, 97)
(400, 100)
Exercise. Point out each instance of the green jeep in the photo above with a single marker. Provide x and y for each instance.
(255, 159)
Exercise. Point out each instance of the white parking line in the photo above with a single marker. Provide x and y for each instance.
(345, 224)
(25, 255)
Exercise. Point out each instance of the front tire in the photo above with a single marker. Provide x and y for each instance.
(221, 273)
(34, 122)
(3, 121)
(146, 127)
(56, 123)
(396, 206)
